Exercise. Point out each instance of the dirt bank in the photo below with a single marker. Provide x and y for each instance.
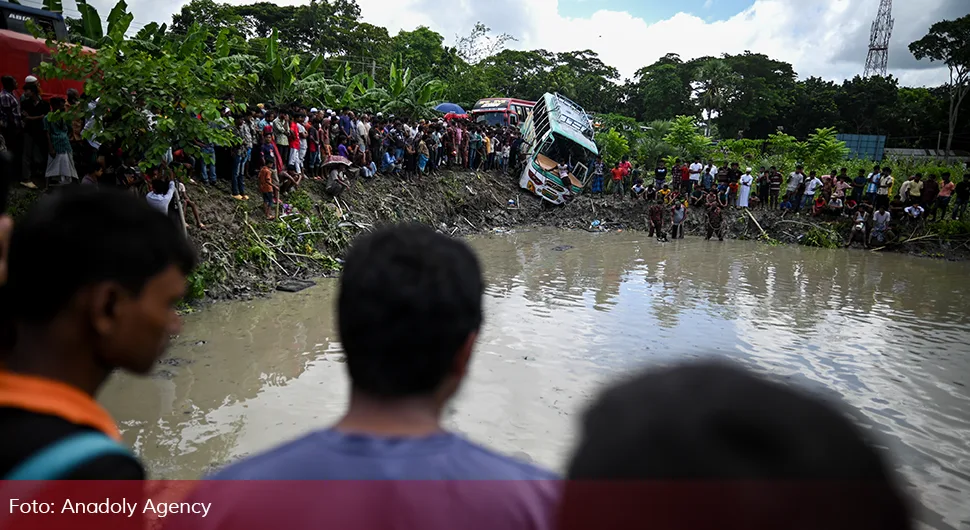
(244, 255)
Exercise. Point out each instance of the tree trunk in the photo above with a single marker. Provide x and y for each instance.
(956, 98)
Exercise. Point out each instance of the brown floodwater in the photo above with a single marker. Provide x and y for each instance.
(887, 333)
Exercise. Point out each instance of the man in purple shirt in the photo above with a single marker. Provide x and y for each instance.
(409, 313)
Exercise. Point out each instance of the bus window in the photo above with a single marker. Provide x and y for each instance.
(491, 119)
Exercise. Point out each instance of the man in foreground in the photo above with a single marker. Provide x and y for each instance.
(93, 278)
(409, 313)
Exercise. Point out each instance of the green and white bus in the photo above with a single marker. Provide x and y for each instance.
(557, 132)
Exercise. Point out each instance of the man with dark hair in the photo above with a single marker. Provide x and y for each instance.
(115, 309)
(409, 313)
(34, 109)
(724, 448)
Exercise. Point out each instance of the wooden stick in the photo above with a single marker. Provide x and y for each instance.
(263, 242)
(763, 233)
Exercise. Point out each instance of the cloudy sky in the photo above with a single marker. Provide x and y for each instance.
(827, 38)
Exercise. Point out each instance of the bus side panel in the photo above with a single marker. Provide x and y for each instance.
(20, 59)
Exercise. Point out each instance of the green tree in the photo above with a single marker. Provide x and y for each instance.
(763, 90)
(716, 86)
(919, 113)
(208, 14)
(866, 105)
(685, 137)
(814, 106)
(660, 92)
(949, 42)
(823, 149)
(420, 49)
(612, 145)
(582, 76)
(514, 73)
(149, 100)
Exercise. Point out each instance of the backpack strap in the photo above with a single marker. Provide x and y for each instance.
(63, 456)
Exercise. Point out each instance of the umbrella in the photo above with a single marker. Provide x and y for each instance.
(449, 107)
(336, 160)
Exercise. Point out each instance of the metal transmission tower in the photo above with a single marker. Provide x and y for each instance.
(882, 29)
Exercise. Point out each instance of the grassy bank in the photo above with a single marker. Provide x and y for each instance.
(244, 255)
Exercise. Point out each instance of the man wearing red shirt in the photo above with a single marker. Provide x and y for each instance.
(294, 143)
(685, 182)
(618, 172)
(626, 166)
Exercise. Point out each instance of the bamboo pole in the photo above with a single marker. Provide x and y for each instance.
(763, 233)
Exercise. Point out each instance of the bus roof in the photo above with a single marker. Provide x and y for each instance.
(569, 120)
(499, 104)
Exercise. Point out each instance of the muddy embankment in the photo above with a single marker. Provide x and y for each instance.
(244, 255)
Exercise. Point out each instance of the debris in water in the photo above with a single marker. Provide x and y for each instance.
(561, 248)
(175, 361)
(200, 343)
(294, 286)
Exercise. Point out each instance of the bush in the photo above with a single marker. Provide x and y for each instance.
(951, 229)
(821, 238)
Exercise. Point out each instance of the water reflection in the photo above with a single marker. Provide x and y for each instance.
(887, 333)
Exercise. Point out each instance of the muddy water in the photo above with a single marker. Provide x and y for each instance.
(888, 333)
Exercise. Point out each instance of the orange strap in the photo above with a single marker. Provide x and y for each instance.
(53, 398)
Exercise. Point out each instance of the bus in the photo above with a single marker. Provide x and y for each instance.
(22, 53)
(557, 132)
(501, 111)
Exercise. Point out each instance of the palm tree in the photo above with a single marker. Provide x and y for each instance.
(715, 86)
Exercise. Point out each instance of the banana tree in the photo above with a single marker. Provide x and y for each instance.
(406, 95)
(415, 97)
(92, 33)
(345, 89)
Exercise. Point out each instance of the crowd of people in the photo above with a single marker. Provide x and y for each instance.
(275, 148)
(766, 446)
(868, 199)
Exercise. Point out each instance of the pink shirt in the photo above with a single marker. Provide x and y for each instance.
(947, 189)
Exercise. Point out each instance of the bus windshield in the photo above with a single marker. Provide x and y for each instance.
(561, 149)
(491, 118)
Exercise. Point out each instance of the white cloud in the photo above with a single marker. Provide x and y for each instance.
(826, 38)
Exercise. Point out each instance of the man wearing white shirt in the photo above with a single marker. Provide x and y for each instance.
(914, 212)
(695, 173)
(163, 189)
(794, 181)
(810, 186)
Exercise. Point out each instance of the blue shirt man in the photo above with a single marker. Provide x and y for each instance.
(409, 311)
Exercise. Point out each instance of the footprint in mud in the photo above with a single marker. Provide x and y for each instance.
(175, 361)
(561, 248)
